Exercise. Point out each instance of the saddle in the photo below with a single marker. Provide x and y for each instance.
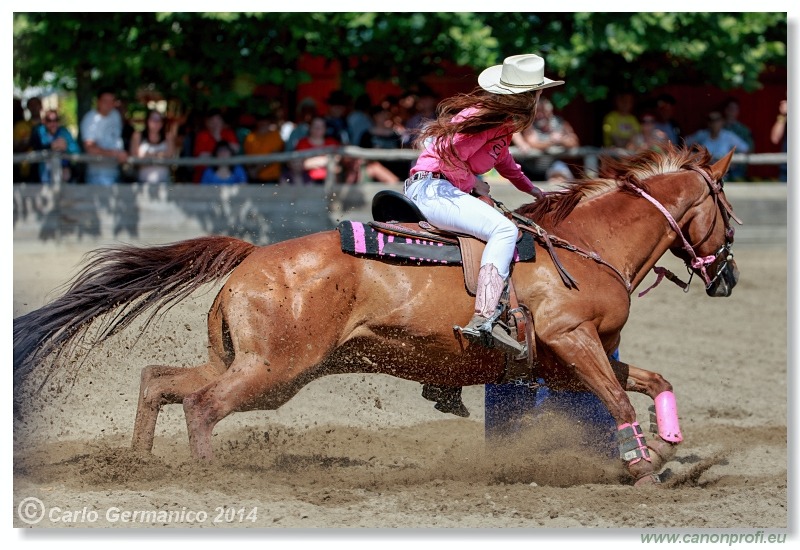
(401, 232)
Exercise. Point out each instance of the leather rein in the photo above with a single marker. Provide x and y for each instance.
(695, 263)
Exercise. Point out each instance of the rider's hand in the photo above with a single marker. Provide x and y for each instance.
(481, 187)
(536, 192)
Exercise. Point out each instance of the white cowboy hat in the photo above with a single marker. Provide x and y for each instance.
(517, 74)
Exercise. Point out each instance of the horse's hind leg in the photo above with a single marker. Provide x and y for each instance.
(249, 383)
(163, 385)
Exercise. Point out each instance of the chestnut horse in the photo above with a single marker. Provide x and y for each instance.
(296, 310)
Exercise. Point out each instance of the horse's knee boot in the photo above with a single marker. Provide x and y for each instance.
(634, 451)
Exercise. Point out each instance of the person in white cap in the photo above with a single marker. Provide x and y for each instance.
(470, 136)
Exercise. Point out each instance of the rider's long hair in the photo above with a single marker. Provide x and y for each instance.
(516, 111)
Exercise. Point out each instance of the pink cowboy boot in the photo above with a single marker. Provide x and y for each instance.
(481, 328)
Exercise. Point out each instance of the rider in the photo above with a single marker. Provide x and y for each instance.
(470, 136)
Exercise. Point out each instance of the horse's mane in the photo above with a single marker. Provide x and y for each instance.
(616, 173)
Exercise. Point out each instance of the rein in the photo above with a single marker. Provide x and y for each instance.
(551, 240)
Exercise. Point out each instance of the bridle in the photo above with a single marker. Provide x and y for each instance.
(699, 264)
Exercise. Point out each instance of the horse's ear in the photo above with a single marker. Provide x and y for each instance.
(720, 168)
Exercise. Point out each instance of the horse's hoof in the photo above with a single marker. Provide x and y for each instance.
(458, 409)
(447, 398)
(649, 479)
(642, 469)
(431, 392)
(663, 449)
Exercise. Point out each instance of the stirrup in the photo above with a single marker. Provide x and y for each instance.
(489, 334)
(477, 331)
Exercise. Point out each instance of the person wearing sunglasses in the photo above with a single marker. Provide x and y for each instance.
(50, 135)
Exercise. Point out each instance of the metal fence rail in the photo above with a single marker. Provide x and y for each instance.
(589, 155)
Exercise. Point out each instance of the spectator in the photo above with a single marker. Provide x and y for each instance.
(664, 112)
(22, 141)
(306, 111)
(777, 136)
(313, 169)
(189, 124)
(336, 121)
(245, 124)
(382, 135)
(359, 121)
(34, 105)
(425, 111)
(559, 172)
(392, 104)
(154, 142)
(284, 125)
(101, 132)
(127, 171)
(127, 126)
(224, 174)
(549, 133)
(407, 104)
(716, 138)
(263, 140)
(51, 136)
(23, 130)
(620, 125)
(650, 137)
(206, 140)
(730, 111)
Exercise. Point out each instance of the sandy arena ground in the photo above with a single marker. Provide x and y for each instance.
(368, 451)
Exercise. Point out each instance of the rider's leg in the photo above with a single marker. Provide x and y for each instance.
(451, 209)
(493, 276)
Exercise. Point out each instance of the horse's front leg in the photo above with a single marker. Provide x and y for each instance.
(581, 349)
(667, 432)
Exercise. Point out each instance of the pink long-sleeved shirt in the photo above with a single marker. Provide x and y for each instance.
(480, 152)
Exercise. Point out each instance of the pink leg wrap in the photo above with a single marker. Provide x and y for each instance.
(667, 417)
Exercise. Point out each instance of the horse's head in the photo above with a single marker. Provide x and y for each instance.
(708, 230)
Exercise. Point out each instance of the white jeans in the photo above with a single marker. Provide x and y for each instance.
(451, 209)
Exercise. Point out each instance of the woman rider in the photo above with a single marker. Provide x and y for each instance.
(471, 135)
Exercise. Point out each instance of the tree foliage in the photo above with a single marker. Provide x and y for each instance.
(218, 59)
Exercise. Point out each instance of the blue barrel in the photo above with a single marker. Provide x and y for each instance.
(509, 406)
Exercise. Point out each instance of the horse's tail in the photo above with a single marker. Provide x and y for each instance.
(129, 280)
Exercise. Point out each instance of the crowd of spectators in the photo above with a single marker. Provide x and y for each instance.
(106, 133)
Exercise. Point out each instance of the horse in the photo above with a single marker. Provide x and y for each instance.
(293, 311)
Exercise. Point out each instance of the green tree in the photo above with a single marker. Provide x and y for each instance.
(78, 51)
(396, 47)
(595, 51)
(218, 59)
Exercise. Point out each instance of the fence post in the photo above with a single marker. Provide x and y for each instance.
(55, 167)
(330, 176)
(591, 165)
